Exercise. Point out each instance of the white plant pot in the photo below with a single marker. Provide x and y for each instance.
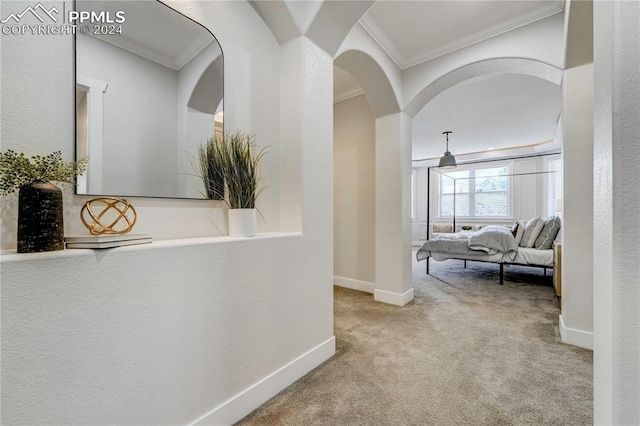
(242, 222)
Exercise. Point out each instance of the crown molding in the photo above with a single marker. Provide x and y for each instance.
(347, 94)
(151, 54)
(371, 26)
(485, 35)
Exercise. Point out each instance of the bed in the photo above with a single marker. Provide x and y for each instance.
(493, 244)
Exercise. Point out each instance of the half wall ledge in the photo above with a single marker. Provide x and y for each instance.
(12, 256)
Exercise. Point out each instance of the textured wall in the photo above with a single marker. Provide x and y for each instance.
(156, 334)
(616, 258)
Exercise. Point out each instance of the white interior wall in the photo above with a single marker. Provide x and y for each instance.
(393, 210)
(529, 188)
(616, 207)
(291, 81)
(576, 321)
(140, 119)
(354, 194)
(181, 331)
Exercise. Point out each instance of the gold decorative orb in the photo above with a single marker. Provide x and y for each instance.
(108, 215)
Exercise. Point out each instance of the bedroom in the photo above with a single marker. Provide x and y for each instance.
(504, 105)
(360, 272)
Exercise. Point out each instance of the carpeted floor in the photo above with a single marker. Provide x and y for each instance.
(466, 351)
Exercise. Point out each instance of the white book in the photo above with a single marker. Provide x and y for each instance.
(107, 244)
(106, 238)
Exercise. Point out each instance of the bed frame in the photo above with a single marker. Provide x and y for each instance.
(501, 266)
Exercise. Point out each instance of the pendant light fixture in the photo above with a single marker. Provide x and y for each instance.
(447, 161)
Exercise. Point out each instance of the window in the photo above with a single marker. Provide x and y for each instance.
(554, 186)
(478, 193)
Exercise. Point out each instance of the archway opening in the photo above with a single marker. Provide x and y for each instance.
(505, 122)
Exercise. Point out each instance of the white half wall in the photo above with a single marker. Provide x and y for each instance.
(164, 333)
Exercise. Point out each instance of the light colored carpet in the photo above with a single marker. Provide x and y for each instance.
(466, 351)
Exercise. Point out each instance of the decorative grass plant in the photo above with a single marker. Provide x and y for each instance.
(233, 159)
(17, 170)
(209, 168)
(40, 210)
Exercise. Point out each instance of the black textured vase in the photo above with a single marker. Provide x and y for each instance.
(40, 218)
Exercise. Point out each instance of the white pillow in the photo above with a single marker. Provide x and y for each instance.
(531, 232)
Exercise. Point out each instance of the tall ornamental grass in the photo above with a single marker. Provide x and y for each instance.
(233, 159)
(210, 168)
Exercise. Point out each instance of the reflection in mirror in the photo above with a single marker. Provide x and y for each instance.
(148, 93)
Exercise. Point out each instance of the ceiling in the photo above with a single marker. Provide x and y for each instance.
(497, 112)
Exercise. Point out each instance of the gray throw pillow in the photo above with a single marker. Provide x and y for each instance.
(531, 232)
(521, 225)
(548, 233)
(514, 228)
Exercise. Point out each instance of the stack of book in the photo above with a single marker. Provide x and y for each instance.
(106, 241)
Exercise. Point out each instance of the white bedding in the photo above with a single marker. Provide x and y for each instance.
(533, 256)
(455, 246)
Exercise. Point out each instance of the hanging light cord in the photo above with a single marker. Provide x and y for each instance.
(447, 136)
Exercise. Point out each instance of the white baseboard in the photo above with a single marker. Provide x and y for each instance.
(393, 298)
(354, 284)
(576, 337)
(251, 398)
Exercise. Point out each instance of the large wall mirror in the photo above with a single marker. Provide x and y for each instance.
(149, 91)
